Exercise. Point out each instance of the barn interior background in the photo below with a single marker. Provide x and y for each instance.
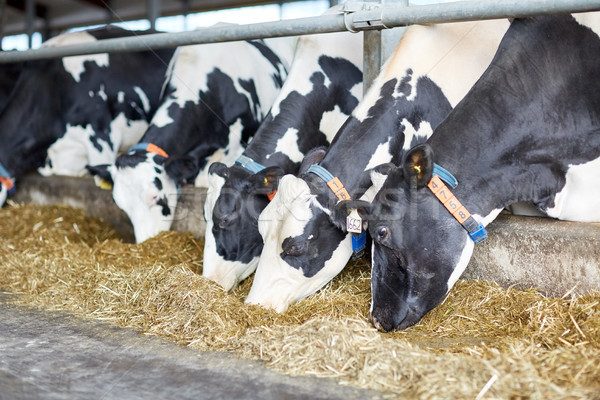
(506, 341)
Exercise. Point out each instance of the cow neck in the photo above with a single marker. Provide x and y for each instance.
(150, 148)
(160, 138)
(302, 112)
(253, 167)
(516, 144)
(336, 187)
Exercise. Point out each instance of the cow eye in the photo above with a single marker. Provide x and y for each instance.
(294, 247)
(381, 233)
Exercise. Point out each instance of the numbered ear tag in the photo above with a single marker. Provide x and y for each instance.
(354, 222)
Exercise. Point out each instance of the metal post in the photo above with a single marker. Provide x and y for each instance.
(378, 46)
(153, 12)
(185, 10)
(379, 18)
(30, 21)
(2, 20)
(109, 11)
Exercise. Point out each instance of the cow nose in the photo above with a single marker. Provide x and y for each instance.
(376, 323)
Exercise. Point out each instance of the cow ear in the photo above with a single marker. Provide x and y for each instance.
(343, 209)
(182, 169)
(102, 171)
(219, 169)
(314, 156)
(267, 180)
(380, 173)
(418, 165)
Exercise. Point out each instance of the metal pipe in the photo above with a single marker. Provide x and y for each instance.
(153, 12)
(30, 21)
(377, 18)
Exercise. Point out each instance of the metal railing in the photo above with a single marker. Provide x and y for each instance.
(356, 16)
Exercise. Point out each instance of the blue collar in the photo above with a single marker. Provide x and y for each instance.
(476, 230)
(445, 175)
(320, 172)
(249, 164)
(6, 180)
(4, 172)
(359, 240)
(150, 148)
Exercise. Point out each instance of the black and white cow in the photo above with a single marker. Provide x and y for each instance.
(322, 89)
(66, 113)
(215, 99)
(430, 71)
(529, 130)
(9, 73)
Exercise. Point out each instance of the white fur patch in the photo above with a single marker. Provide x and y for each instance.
(102, 93)
(410, 133)
(227, 156)
(345, 45)
(381, 155)
(590, 20)
(579, 200)
(125, 133)
(69, 154)
(143, 98)
(288, 145)
(331, 122)
(3, 194)
(75, 64)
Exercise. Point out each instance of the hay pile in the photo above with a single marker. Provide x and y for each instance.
(483, 341)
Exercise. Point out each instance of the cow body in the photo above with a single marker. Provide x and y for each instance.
(9, 74)
(322, 89)
(527, 131)
(305, 245)
(215, 99)
(66, 113)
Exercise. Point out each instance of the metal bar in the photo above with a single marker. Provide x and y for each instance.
(378, 46)
(2, 20)
(153, 12)
(385, 17)
(30, 18)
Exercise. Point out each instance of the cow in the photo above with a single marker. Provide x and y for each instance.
(305, 247)
(322, 89)
(65, 113)
(9, 73)
(528, 130)
(215, 99)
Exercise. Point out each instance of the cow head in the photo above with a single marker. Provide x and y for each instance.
(419, 249)
(143, 189)
(306, 243)
(302, 251)
(234, 200)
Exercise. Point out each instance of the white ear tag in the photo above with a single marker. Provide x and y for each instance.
(354, 222)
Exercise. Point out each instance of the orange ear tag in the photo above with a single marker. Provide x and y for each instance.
(338, 189)
(271, 195)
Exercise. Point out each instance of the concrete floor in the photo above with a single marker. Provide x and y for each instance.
(51, 355)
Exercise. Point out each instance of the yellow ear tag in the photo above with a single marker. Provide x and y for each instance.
(105, 185)
(417, 168)
(265, 181)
